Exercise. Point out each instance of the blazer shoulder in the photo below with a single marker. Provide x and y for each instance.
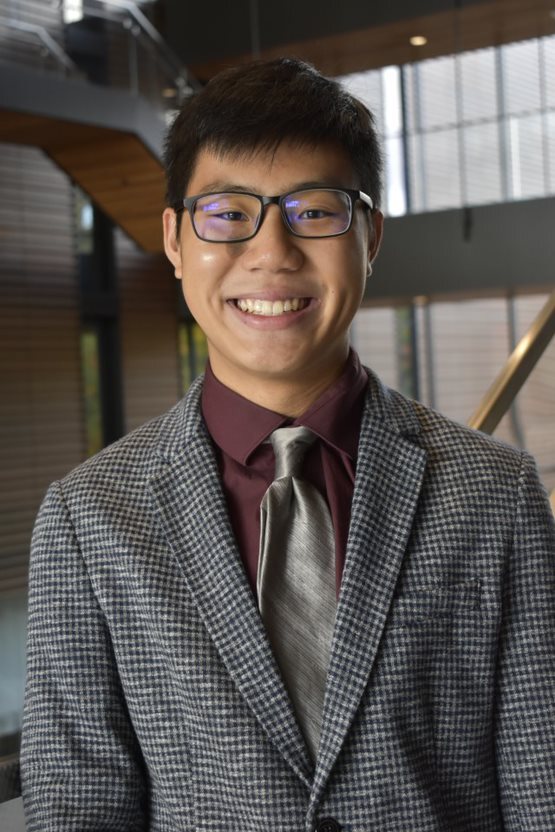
(469, 477)
(445, 438)
(129, 459)
(440, 428)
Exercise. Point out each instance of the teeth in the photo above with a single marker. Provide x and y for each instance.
(268, 308)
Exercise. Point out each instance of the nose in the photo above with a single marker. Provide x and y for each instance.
(273, 248)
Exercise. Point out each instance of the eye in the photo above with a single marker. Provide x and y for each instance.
(314, 214)
(231, 216)
(228, 208)
(319, 206)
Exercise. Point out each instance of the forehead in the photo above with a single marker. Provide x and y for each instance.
(270, 172)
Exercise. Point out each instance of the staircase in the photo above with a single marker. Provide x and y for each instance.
(107, 140)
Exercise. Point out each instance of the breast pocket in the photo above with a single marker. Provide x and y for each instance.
(434, 603)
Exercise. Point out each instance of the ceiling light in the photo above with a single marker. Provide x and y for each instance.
(418, 40)
(72, 11)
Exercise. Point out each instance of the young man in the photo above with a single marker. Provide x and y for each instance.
(297, 601)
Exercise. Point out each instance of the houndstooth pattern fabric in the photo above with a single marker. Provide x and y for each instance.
(153, 700)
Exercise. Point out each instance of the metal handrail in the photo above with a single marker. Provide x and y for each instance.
(518, 367)
(46, 39)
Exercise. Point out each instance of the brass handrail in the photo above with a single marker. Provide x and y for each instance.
(518, 367)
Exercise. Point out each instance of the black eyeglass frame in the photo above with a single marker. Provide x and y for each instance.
(189, 203)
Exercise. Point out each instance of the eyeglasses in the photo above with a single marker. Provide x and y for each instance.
(237, 216)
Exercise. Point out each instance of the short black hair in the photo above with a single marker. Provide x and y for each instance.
(255, 106)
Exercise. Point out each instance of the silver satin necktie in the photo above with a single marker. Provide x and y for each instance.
(296, 579)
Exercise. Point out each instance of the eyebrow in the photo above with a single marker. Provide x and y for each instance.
(219, 186)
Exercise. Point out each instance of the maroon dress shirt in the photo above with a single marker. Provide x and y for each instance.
(240, 428)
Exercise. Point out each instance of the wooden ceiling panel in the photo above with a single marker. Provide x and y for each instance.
(472, 27)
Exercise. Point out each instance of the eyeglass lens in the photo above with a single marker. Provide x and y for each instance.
(236, 216)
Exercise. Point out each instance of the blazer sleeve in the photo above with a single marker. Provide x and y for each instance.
(80, 761)
(525, 695)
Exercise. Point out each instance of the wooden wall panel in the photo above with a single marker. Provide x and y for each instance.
(148, 303)
(41, 418)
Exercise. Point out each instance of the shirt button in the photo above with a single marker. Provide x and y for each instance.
(328, 825)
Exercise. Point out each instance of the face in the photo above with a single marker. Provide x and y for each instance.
(312, 286)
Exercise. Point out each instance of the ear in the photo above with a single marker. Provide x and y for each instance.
(374, 238)
(171, 242)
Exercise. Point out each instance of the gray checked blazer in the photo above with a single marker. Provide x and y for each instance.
(153, 699)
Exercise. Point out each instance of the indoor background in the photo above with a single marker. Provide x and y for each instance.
(94, 337)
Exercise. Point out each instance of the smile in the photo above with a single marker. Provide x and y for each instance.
(269, 308)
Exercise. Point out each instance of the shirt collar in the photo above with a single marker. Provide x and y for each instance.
(238, 426)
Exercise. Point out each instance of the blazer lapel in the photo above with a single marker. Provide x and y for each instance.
(186, 488)
(389, 474)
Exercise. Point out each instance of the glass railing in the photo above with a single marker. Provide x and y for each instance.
(112, 43)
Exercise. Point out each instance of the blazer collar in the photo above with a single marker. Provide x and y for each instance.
(185, 485)
(183, 429)
(389, 474)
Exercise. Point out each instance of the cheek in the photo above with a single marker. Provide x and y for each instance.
(198, 258)
(346, 272)
(203, 270)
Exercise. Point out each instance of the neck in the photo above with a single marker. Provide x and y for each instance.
(289, 397)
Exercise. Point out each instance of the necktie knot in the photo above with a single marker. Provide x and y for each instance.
(290, 446)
